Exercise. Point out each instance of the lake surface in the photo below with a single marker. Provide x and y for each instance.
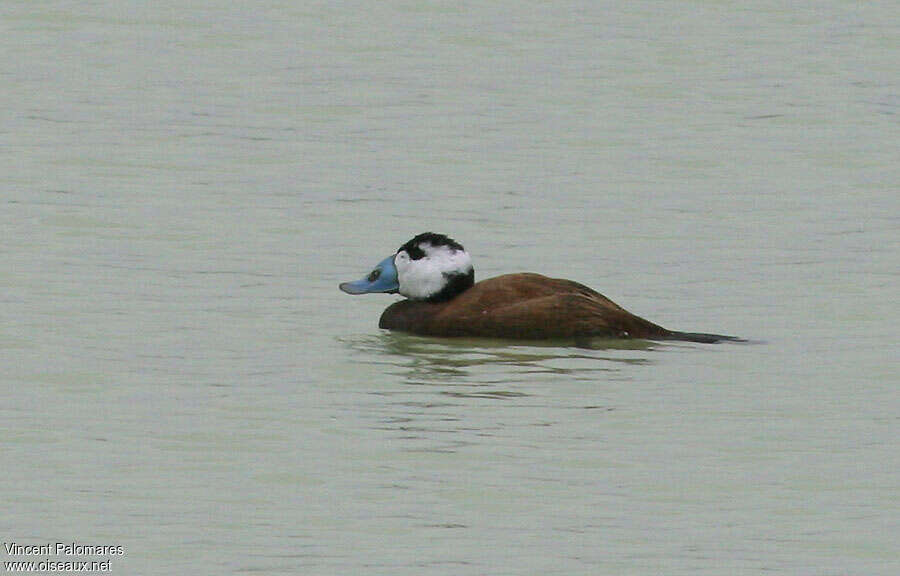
(184, 187)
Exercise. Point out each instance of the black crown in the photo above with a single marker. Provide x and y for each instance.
(415, 252)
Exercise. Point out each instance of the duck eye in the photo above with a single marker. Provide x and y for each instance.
(373, 276)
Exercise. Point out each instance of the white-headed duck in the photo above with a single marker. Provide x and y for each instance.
(436, 275)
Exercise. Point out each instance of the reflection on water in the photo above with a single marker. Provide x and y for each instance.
(469, 362)
(443, 398)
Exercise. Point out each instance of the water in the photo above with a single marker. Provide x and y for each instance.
(184, 187)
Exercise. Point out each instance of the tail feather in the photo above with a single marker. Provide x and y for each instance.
(702, 338)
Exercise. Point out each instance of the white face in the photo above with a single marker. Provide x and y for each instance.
(420, 279)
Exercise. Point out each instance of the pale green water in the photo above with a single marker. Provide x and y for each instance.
(184, 187)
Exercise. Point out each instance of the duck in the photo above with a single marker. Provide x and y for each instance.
(436, 276)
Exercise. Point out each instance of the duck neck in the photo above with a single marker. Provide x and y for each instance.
(456, 285)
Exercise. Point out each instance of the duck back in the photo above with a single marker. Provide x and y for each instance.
(521, 306)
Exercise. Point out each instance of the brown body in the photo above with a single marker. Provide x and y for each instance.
(521, 306)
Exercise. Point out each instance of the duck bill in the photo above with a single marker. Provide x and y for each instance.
(383, 278)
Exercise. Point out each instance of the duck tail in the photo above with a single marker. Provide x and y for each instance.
(702, 338)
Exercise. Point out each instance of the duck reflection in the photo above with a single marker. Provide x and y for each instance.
(476, 364)
(433, 398)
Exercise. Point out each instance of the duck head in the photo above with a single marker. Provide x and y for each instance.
(430, 267)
